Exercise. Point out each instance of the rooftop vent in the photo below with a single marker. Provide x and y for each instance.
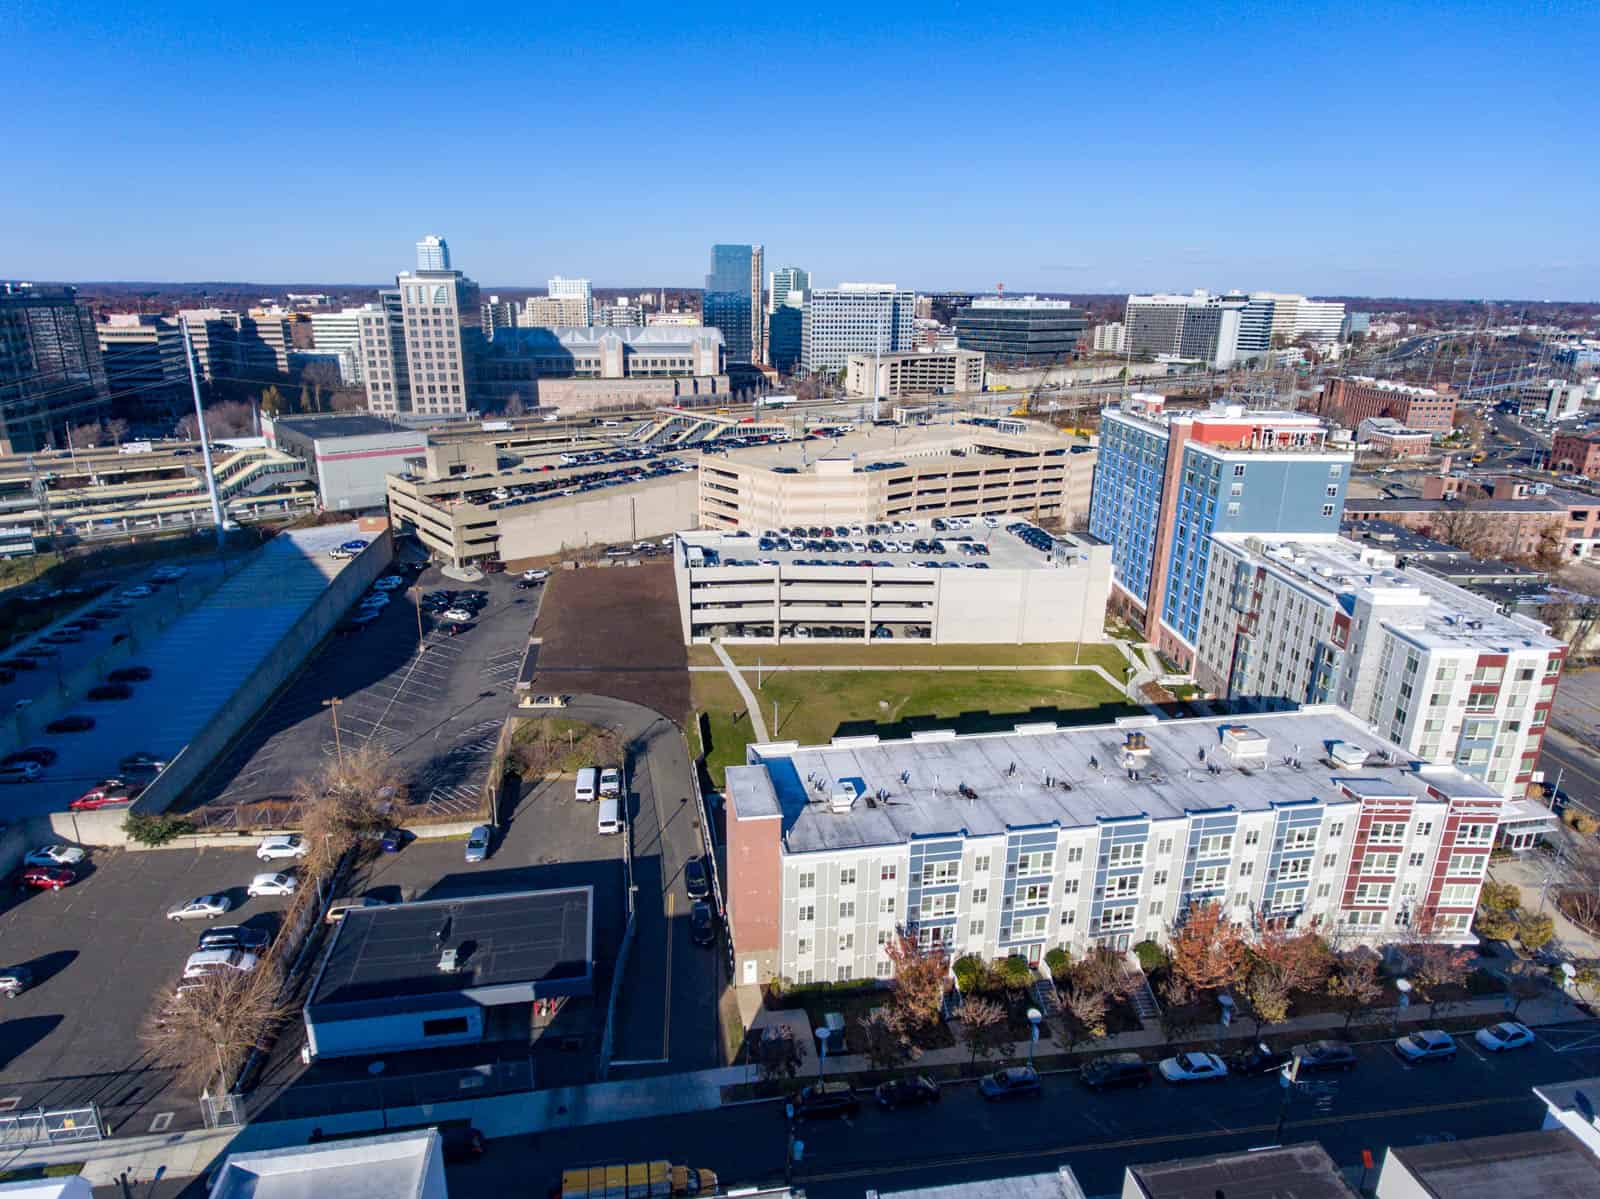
(1134, 744)
(1244, 745)
(448, 964)
(844, 796)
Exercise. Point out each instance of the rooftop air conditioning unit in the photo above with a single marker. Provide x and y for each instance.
(448, 963)
(1344, 753)
(843, 797)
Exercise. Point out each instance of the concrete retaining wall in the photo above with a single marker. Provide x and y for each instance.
(233, 717)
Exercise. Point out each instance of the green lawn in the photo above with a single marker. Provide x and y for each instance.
(814, 708)
(880, 653)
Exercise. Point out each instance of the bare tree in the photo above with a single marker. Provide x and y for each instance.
(775, 1053)
(347, 799)
(984, 1030)
(208, 1028)
(921, 978)
(886, 1043)
(1354, 984)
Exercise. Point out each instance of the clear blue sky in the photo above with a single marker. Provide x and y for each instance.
(1443, 150)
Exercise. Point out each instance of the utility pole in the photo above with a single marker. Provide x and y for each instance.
(205, 439)
(333, 709)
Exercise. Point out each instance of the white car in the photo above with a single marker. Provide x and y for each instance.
(137, 591)
(611, 781)
(1193, 1067)
(1430, 1044)
(55, 855)
(459, 615)
(271, 884)
(1498, 1038)
(538, 575)
(478, 843)
(217, 961)
(282, 845)
(203, 907)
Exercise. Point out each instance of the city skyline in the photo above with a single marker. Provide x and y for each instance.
(1375, 170)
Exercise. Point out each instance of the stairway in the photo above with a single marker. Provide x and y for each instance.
(1144, 999)
(1045, 997)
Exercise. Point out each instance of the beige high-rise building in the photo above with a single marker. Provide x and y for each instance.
(431, 303)
(555, 312)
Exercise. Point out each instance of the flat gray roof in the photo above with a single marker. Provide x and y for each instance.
(1007, 551)
(1298, 1171)
(512, 947)
(388, 1167)
(1552, 1164)
(1042, 775)
(915, 445)
(197, 663)
(355, 425)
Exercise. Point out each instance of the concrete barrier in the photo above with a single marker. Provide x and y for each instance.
(276, 668)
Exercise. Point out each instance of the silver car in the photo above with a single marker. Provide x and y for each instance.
(478, 843)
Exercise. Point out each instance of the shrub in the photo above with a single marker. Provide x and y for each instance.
(150, 828)
(1535, 932)
(970, 973)
(1056, 961)
(1151, 956)
(1580, 820)
(1015, 973)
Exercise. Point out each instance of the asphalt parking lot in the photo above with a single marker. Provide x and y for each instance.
(438, 711)
(547, 840)
(101, 951)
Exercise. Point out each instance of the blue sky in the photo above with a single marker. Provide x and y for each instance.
(1442, 150)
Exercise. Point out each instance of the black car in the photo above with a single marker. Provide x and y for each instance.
(1114, 1071)
(825, 1101)
(70, 724)
(1321, 1056)
(42, 755)
(915, 1091)
(129, 674)
(695, 879)
(1259, 1060)
(702, 925)
(235, 936)
(107, 691)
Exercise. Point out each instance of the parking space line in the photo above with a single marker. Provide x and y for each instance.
(161, 1122)
(666, 1013)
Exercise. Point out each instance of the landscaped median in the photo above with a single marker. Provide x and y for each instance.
(812, 707)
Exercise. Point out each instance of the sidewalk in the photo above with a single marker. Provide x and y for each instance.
(751, 706)
(184, 1154)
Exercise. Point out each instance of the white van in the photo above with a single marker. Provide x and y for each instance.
(610, 782)
(588, 784)
(609, 819)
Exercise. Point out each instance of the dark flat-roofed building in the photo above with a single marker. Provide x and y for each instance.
(1552, 1164)
(1301, 1171)
(1026, 331)
(420, 975)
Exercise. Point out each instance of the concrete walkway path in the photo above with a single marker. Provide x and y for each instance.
(1088, 668)
(750, 703)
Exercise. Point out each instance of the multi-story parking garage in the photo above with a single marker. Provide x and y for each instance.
(961, 585)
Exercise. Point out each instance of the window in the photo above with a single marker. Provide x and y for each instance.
(1388, 831)
(1252, 837)
(1116, 918)
(1158, 879)
(445, 1026)
(1038, 862)
(935, 906)
(1155, 908)
(886, 905)
(804, 945)
(1246, 869)
(1069, 917)
(1127, 853)
(847, 910)
(940, 874)
(805, 977)
(1034, 895)
(1027, 926)
(1336, 829)
(1425, 829)
(1219, 845)
(1335, 471)
(1324, 890)
(1233, 509)
(1364, 919)
(1236, 489)
(847, 877)
(980, 895)
(980, 864)
(1208, 878)
(1241, 899)
(1380, 863)
(885, 969)
(1373, 893)
(1286, 898)
(1121, 888)
(1466, 863)
(1069, 886)
(1327, 509)
(883, 936)
(1238, 470)
(975, 928)
(1332, 490)
(1074, 854)
(808, 913)
(844, 974)
(1164, 846)
(1300, 838)
(887, 874)
(1458, 894)
(1414, 860)
(808, 880)
(1475, 834)
(1451, 922)
(847, 942)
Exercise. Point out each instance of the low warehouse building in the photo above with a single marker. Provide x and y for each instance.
(436, 972)
(349, 455)
(979, 586)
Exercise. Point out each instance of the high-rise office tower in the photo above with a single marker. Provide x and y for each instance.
(1165, 482)
(1022, 330)
(384, 368)
(732, 301)
(1196, 326)
(577, 300)
(433, 254)
(783, 286)
(144, 364)
(51, 372)
(431, 304)
(854, 318)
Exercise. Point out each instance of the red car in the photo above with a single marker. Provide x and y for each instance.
(47, 878)
(107, 795)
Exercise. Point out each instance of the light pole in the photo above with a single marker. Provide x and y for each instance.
(1403, 986)
(1034, 1016)
(822, 1039)
(333, 708)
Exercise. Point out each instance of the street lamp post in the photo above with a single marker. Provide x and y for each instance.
(1034, 1016)
(333, 708)
(823, 1033)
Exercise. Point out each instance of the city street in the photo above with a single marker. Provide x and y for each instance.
(1383, 1102)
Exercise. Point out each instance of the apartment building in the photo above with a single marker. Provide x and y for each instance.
(1166, 481)
(1107, 338)
(1271, 319)
(854, 318)
(1014, 843)
(1010, 593)
(619, 315)
(1434, 668)
(876, 474)
(52, 374)
(1351, 399)
(339, 333)
(1022, 331)
(384, 368)
(576, 291)
(919, 372)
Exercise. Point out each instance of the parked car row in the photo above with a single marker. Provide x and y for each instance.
(51, 867)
